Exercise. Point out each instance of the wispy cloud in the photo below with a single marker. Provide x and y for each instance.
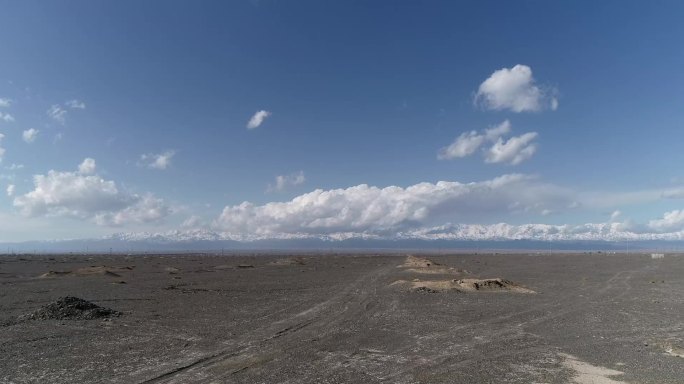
(2, 150)
(75, 104)
(159, 161)
(4, 103)
(10, 190)
(514, 89)
(512, 151)
(468, 142)
(57, 113)
(282, 182)
(257, 119)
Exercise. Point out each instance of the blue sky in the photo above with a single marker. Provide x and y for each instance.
(159, 94)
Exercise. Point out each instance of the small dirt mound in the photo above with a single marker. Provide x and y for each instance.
(496, 284)
(289, 261)
(418, 262)
(70, 308)
(92, 270)
(463, 285)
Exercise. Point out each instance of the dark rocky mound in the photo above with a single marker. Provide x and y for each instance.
(71, 308)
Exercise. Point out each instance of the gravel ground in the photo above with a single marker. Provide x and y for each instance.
(332, 318)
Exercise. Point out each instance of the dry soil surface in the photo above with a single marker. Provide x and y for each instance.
(333, 318)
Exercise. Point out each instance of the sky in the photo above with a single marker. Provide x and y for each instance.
(265, 118)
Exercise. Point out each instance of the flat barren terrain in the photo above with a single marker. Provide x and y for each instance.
(334, 318)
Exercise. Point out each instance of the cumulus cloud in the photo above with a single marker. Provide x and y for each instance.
(257, 119)
(159, 161)
(514, 89)
(10, 190)
(670, 222)
(364, 208)
(30, 135)
(282, 182)
(87, 166)
(15, 167)
(75, 104)
(4, 103)
(6, 117)
(512, 151)
(86, 195)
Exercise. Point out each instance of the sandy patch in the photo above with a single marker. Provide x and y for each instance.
(172, 270)
(672, 349)
(586, 373)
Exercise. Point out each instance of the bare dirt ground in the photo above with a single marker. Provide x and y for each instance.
(303, 318)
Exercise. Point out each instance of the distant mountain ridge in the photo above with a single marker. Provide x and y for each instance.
(497, 236)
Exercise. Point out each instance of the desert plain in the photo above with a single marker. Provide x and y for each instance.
(360, 317)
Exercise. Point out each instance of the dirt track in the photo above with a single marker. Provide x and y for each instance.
(339, 319)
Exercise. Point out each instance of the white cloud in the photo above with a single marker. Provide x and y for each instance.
(676, 193)
(364, 208)
(10, 190)
(6, 117)
(465, 145)
(514, 89)
(670, 222)
(146, 208)
(513, 151)
(5, 103)
(193, 221)
(258, 119)
(87, 167)
(2, 150)
(615, 215)
(57, 113)
(468, 142)
(284, 181)
(157, 161)
(30, 135)
(493, 133)
(75, 104)
(15, 167)
(88, 196)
